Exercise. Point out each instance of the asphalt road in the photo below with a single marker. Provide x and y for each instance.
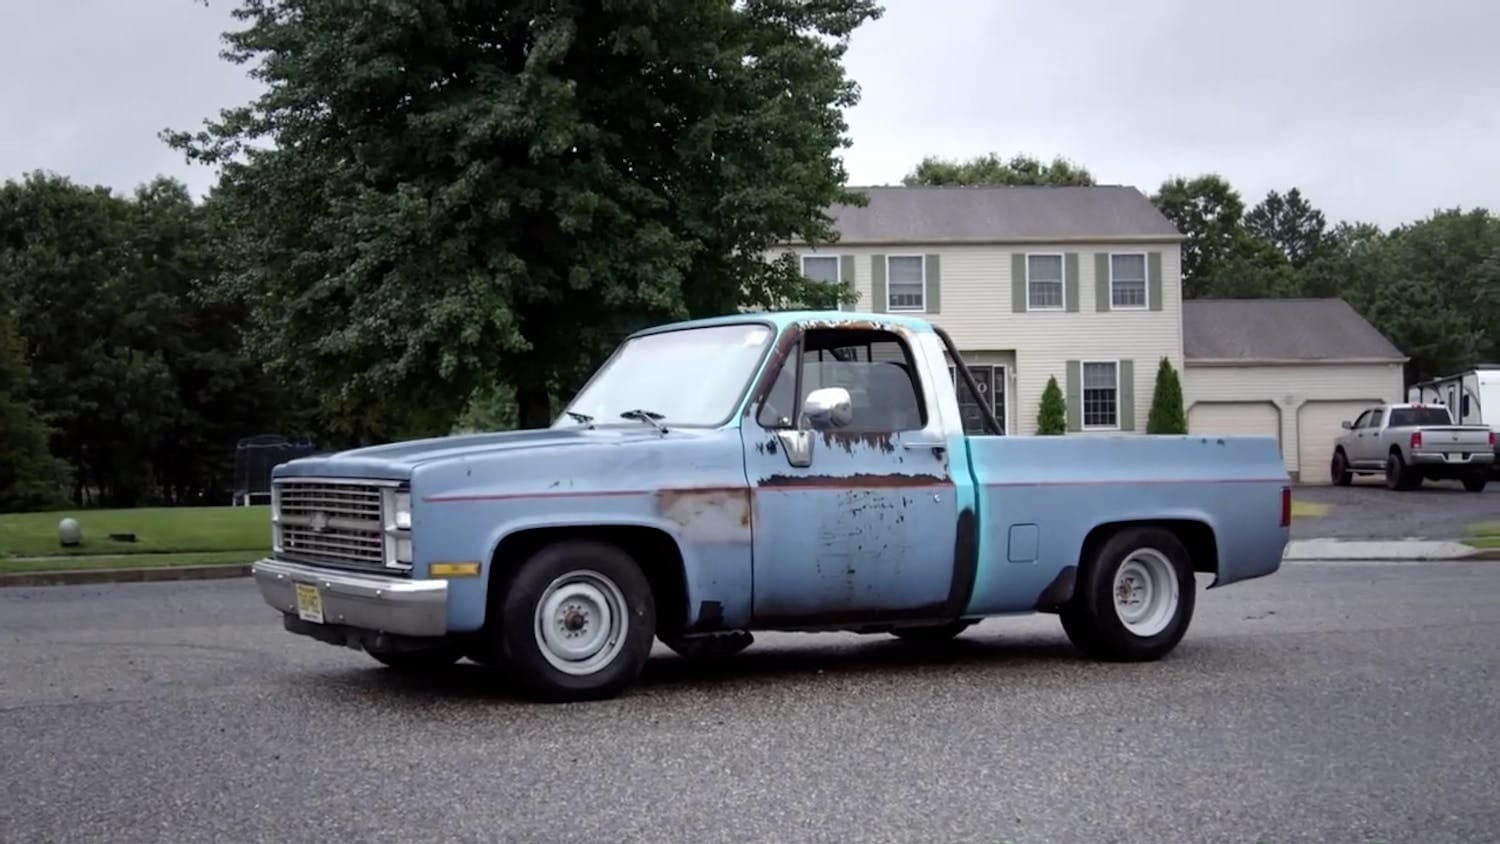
(1367, 510)
(1329, 702)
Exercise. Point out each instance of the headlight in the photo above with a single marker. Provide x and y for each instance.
(403, 510)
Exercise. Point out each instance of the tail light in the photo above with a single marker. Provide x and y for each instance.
(1286, 506)
(1492, 439)
(1416, 440)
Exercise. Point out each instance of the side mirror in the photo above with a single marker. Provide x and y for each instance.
(828, 408)
(1347, 424)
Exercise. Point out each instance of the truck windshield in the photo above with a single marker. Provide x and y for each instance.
(692, 377)
(1402, 417)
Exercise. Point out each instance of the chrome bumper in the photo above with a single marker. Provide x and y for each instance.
(366, 601)
(1458, 458)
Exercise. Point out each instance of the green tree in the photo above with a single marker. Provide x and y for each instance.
(991, 169)
(1290, 224)
(1210, 214)
(1167, 415)
(1251, 269)
(30, 478)
(429, 194)
(1052, 414)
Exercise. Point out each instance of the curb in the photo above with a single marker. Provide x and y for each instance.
(71, 577)
(1477, 555)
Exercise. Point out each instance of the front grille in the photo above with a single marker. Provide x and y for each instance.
(336, 524)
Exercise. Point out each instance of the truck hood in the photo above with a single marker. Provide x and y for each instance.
(396, 461)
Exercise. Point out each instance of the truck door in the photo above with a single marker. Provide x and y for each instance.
(855, 515)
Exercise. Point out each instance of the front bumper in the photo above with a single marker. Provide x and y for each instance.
(364, 601)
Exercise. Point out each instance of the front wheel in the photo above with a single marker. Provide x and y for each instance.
(1340, 470)
(577, 622)
(1135, 598)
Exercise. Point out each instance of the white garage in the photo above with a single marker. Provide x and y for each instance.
(1295, 367)
(1235, 418)
(1319, 423)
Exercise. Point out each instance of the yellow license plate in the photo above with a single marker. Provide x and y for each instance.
(309, 603)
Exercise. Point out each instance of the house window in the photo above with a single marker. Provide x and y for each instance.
(1101, 394)
(991, 382)
(906, 283)
(1044, 282)
(821, 268)
(1127, 281)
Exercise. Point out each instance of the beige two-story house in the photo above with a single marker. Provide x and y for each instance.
(1081, 284)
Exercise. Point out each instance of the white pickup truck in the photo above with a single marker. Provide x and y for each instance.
(1411, 443)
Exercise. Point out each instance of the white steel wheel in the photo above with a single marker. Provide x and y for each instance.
(581, 622)
(1145, 591)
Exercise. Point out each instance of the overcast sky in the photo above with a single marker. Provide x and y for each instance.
(1380, 110)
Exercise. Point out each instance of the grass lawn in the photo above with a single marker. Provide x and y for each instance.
(1484, 535)
(202, 558)
(157, 530)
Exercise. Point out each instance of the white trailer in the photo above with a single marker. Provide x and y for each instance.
(1472, 396)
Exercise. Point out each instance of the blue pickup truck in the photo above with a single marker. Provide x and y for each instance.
(763, 471)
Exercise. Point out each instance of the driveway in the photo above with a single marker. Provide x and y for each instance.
(1342, 702)
(1367, 510)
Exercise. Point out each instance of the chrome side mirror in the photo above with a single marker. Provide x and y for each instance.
(828, 408)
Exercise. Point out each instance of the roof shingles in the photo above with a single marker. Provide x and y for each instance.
(1001, 213)
(1274, 330)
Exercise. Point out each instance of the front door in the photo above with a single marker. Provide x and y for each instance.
(859, 523)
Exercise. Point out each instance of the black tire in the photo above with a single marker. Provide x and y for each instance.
(1476, 483)
(932, 634)
(1090, 619)
(518, 632)
(1339, 469)
(1398, 476)
(713, 648)
(424, 661)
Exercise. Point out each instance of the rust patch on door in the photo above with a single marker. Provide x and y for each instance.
(719, 514)
(881, 441)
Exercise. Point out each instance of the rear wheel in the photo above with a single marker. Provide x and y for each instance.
(1339, 469)
(1398, 475)
(1476, 483)
(577, 622)
(1135, 598)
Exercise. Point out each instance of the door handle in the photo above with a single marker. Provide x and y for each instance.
(937, 445)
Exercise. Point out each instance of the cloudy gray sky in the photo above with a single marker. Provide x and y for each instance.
(1380, 110)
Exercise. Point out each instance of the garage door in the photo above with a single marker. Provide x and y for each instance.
(1319, 423)
(1237, 418)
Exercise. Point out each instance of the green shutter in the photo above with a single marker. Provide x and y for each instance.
(1127, 395)
(846, 275)
(877, 284)
(1018, 282)
(1153, 279)
(1075, 395)
(1101, 282)
(934, 296)
(1070, 281)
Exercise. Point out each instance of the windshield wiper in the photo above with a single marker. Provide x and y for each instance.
(648, 416)
(581, 418)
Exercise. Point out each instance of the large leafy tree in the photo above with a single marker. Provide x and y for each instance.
(30, 478)
(1210, 215)
(432, 197)
(991, 169)
(1291, 224)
